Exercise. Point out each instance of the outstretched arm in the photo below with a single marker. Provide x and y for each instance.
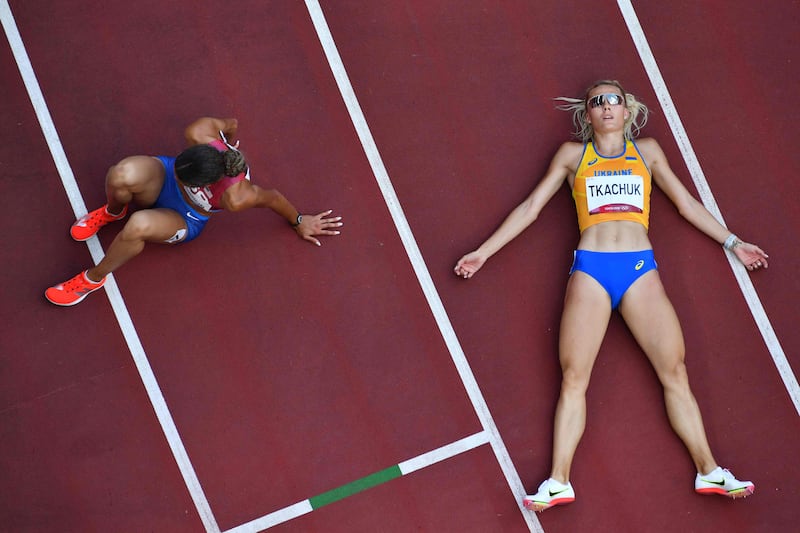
(750, 255)
(524, 214)
(245, 195)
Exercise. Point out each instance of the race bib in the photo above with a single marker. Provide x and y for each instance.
(200, 196)
(615, 194)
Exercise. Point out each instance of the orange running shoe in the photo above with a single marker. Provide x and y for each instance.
(85, 227)
(72, 291)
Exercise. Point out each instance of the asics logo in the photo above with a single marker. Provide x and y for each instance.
(639, 265)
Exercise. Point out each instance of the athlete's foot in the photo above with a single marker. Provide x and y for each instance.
(550, 493)
(721, 481)
(89, 224)
(73, 291)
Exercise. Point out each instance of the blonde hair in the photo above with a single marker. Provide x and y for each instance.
(637, 112)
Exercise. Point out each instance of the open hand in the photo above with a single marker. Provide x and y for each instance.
(319, 224)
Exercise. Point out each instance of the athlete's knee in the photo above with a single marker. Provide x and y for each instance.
(119, 177)
(674, 375)
(138, 227)
(126, 174)
(574, 378)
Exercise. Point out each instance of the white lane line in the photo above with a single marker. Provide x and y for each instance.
(445, 452)
(273, 519)
(404, 468)
(678, 131)
(114, 296)
(415, 256)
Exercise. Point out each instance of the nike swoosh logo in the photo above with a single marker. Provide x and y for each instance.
(190, 215)
(556, 493)
(592, 162)
(720, 482)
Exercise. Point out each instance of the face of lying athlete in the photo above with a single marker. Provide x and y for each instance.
(605, 108)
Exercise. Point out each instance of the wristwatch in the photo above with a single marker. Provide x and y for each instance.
(298, 220)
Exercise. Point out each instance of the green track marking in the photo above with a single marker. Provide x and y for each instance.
(355, 487)
(403, 468)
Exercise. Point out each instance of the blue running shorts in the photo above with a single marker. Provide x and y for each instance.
(170, 197)
(615, 271)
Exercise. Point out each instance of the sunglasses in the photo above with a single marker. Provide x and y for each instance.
(602, 99)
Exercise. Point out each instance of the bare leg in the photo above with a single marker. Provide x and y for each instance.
(653, 322)
(137, 178)
(148, 225)
(587, 310)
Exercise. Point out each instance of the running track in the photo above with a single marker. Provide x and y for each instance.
(281, 372)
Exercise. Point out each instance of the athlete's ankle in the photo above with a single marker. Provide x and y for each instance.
(117, 210)
(707, 468)
(93, 276)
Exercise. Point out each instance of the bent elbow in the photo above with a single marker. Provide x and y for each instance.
(689, 208)
(237, 204)
(530, 211)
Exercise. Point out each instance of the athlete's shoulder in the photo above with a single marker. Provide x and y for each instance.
(572, 145)
(565, 161)
(570, 150)
(647, 143)
(650, 149)
(569, 154)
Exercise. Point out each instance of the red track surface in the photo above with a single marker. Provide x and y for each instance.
(292, 370)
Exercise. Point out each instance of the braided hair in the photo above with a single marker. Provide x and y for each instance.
(234, 162)
(202, 165)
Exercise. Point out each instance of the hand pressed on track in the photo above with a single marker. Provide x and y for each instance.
(319, 224)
